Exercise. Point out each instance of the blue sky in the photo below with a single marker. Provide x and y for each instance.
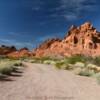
(29, 22)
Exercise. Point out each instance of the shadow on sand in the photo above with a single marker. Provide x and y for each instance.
(10, 77)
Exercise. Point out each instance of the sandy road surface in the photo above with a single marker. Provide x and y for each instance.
(44, 82)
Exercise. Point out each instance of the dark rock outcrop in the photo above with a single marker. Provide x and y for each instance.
(4, 50)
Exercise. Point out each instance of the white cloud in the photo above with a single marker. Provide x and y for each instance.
(72, 9)
(70, 17)
(36, 8)
(5, 40)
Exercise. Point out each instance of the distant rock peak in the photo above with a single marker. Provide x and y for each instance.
(83, 40)
(6, 49)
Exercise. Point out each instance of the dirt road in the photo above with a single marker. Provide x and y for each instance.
(44, 82)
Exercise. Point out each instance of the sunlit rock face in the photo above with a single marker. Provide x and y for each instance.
(82, 40)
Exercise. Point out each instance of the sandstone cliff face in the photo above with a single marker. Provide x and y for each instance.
(47, 48)
(84, 40)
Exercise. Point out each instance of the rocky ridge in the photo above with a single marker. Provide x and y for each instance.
(24, 52)
(11, 51)
(4, 50)
(82, 40)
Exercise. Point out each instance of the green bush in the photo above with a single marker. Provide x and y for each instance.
(7, 66)
(97, 76)
(76, 58)
(17, 63)
(86, 72)
(7, 70)
(49, 62)
(59, 65)
(42, 60)
(97, 61)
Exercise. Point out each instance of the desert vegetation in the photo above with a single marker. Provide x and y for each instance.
(8, 65)
(78, 64)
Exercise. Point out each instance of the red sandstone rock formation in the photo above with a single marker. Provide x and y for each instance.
(84, 40)
(14, 53)
(24, 52)
(4, 50)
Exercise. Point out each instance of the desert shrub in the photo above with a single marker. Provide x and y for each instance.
(69, 67)
(72, 62)
(7, 70)
(77, 70)
(97, 61)
(59, 64)
(17, 63)
(45, 58)
(42, 59)
(32, 60)
(7, 66)
(79, 64)
(97, 76)
(49, 62)
(76, 58)
(86, 72)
